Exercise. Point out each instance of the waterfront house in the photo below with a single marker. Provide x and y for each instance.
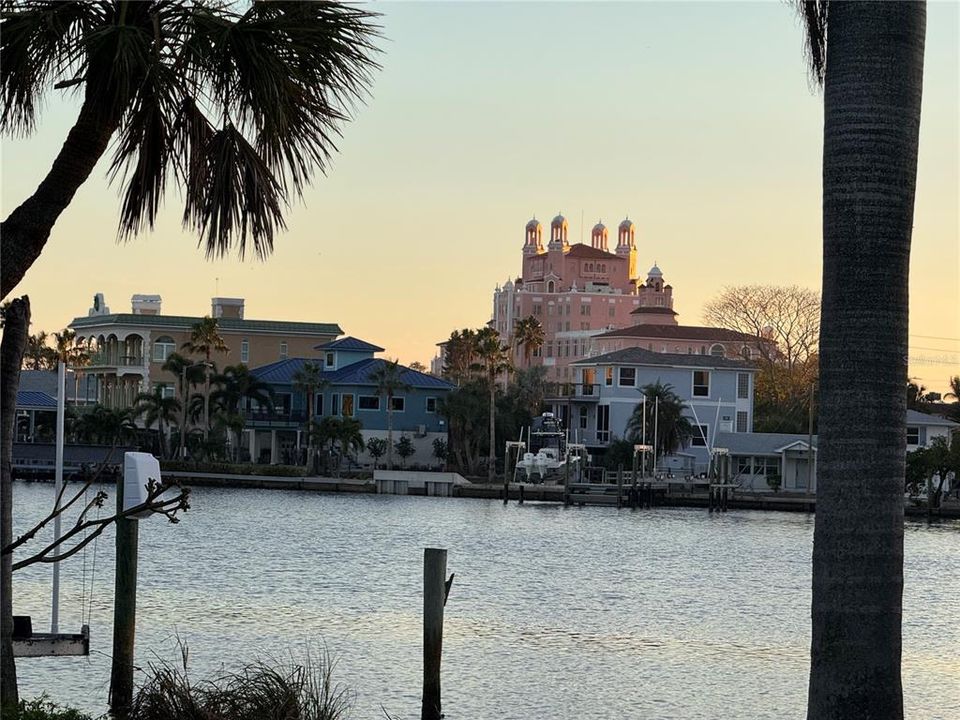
(349, 366)
(129, 349)
(717, 393)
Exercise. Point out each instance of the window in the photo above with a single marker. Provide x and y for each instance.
(167, 390)
(913, 435)
(743, 386)
(612, 311)
(628, 377)
(603, 423)
(282, 403)
(766, 466)
(431, 404)
(318, 404)
(550, 349)
(163, 348)
(331, 361)
(346, 407)
(608, 376)
(745, 352)
(701, 383)
(368, 402)
(537, 309)
(397, 403)
(335, 404)
(583, 417)
(743, 464)
(283, 350)
(244, 351)
(741, 421)
(700, 435)
(718, 350)
(549, 306)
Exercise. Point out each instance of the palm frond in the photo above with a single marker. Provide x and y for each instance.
(814, 16)
(39, 42)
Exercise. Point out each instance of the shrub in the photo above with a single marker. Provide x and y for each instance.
(233, 469)
(42, 709)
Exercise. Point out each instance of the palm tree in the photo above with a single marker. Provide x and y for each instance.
(234, 386)
(309, 379)
(872, 75)
(239, 105)
(460, 356)
(349, 437)
(376, 448)
(38, 355)
(188, 374)
(322, 432)
(494, 361)
(106, 426)
(389, 380)
(664, 410)
(205, 339)
(954, 388)
(528, 334)
(157, 409)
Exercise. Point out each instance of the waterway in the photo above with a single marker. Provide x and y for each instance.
(555, 612)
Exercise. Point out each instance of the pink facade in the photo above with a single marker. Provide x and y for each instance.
(579, 291)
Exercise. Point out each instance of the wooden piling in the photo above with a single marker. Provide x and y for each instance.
(620, 486)
(521, 493)
(566, 482)
(124, 613)
(434, 594)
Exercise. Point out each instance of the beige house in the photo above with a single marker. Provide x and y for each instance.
(129, 349)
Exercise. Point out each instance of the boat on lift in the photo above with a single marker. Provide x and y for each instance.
(548, 449)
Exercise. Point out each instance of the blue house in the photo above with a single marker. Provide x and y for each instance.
(717, 392)
(348, 366)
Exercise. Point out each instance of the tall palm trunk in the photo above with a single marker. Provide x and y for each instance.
(26, 230)
(873, 86)
(492, 455)
(389, 431)
(16, 325)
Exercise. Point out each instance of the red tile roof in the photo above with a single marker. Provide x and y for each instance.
(653, 310)
(677, 332)
(579, 250)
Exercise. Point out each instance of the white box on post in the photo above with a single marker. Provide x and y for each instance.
(138, 469)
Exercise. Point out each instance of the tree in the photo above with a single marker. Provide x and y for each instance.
(918, 398)
(530, 385)
(188, 375)
(405, 449)
(664, 411)
(349, 435)
(106, 426)
(157, 409)
(786, 323)
(872, 74)
(38, 354)
(418, 366)
(323, 432)
(440, 450)
(528, 335)
(389, 380)
(493, 360)
(940, 458)
(309, 379)
(234, 386)
(238, 105)
(376, 447)
(460, 356)
(465, 412)
(954, 388)
(205, 339)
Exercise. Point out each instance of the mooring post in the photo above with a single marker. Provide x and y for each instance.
(124, 612)
(566, 482)
(434, 595)
(521, 493)
(620, 485)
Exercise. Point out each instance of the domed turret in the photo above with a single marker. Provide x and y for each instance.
(558, 232)
(533, 239)
(655, 272)
(598, 236)
(626, 234)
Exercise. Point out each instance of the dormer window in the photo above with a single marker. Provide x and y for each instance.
(331, 361)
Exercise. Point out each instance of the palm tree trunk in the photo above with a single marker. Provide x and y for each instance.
(872, 95)
(26, 230)
(492, 455)
(389, 431)
(16, 325)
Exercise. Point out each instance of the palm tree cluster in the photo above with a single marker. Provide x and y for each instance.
(343, 435)
(66, 348)
(660, 412)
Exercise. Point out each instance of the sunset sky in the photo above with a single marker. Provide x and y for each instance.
(696, 119)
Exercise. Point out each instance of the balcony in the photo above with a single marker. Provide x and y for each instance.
(573, 392)
(274, 418)
(114, 360)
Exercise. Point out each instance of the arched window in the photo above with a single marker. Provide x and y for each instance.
(550, 286)
(745, 352)
(163, 347)
(718, 350)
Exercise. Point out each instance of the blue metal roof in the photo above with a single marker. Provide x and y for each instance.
(282, 372)
(35, 400)
(350, 343)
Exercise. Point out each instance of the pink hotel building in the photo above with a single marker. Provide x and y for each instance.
(590, 300)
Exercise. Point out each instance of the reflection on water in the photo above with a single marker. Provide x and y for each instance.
(555, 612)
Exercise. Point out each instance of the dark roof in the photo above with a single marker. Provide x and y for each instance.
(579, 250)
(45, 381)
(639, 356)
(282, 372)
(915, 417)
(760, 443)
(350, 343)
(183, 322)
(653, 310)
(35, 400)
(678, 332)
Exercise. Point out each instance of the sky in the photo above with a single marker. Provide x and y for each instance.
(695, 119)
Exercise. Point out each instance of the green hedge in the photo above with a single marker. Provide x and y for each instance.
(233, 469)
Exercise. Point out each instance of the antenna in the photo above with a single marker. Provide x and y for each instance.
(217, 287)
(581, 226)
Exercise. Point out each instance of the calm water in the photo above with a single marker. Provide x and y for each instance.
(554, 613)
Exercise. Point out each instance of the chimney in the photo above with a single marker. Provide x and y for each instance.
(145, 304)
(224, 307)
